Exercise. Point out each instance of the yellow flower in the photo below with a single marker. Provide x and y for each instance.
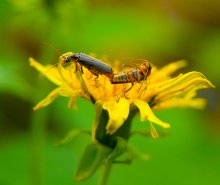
(158, 92)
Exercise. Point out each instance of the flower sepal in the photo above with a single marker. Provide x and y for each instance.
(124, 153)
(93, 157)
(71, 135)
(97, 155)
(120, 148)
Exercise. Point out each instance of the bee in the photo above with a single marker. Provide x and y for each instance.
(95, 66)
(137, 75)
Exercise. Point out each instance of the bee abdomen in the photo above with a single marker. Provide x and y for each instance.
(120, 78)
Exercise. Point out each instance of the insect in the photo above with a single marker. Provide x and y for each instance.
(137, 75)
(95, 66)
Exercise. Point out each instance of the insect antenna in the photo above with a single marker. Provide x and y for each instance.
(58, 52)
(51, 67)
(53, 47)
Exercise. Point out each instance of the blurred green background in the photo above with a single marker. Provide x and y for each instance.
(161, 31)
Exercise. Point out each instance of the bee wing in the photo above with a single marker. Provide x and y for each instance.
(131, 63)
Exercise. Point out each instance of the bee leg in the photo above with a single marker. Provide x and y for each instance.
(132, 84)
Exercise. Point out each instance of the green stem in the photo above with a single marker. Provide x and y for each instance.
(37, 144)
(111, 140)
(105, 173)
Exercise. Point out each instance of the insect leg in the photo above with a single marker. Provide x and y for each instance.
(76, 67)
(97, 81)
(145, 74)
(81, 69)
(132, 84)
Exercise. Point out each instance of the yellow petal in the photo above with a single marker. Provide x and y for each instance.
(153, 131)
(165, 72)
(68, 91)
(172, 67)
(67, 74)
(118, 113)
(198, 103)
(147, 114)
(50, 72)
(184, 83)
(51, 97)
(163, 83)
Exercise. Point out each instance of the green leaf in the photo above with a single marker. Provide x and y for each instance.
(93, 157)
(133, 153)
(147, 134)
(119, 149)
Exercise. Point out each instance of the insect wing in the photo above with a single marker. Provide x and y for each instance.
(94, 64)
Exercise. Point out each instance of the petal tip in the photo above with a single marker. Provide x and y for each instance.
(36, 108)
(31, 60)
(166, 125)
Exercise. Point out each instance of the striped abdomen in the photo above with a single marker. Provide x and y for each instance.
(137, 75)
(127, 77)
